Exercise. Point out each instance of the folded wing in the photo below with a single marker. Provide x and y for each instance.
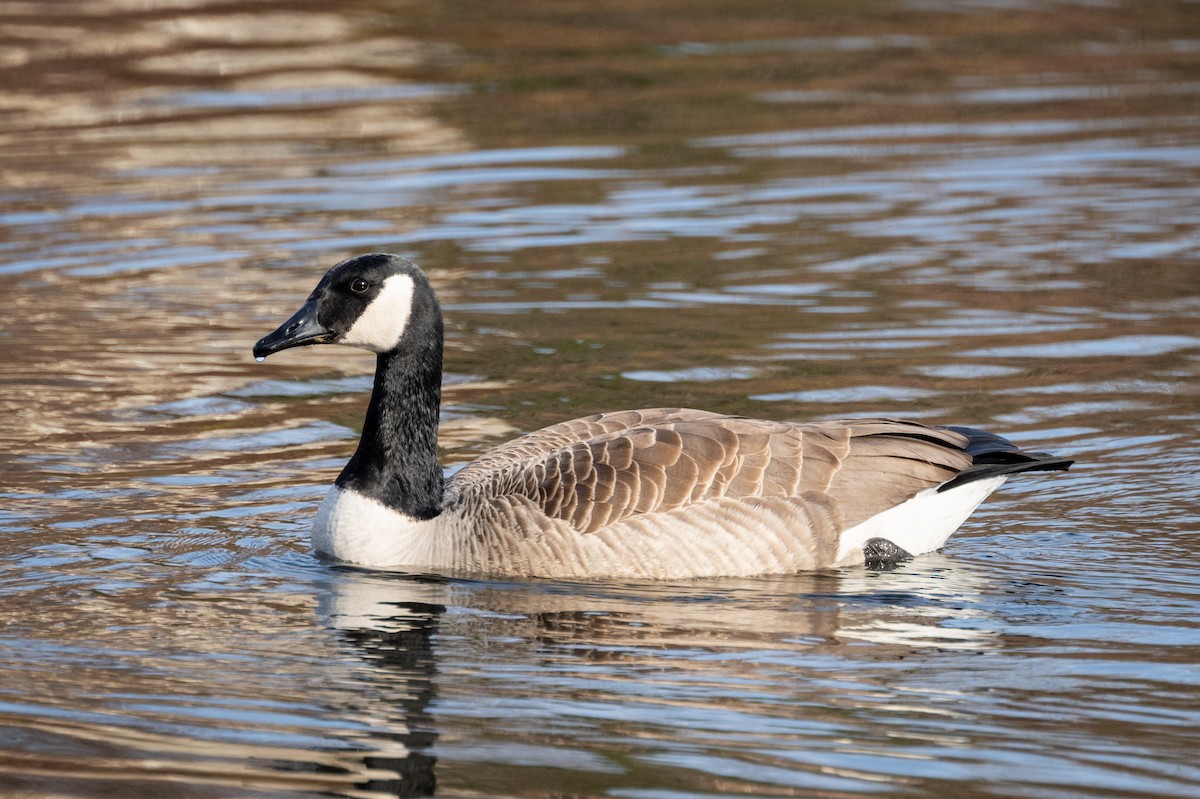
(603, 469)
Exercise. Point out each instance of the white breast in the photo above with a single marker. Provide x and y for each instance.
(356, 529)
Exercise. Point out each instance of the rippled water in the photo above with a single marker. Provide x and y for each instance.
(978, 212)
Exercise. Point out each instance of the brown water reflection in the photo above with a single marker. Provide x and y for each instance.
(972, 212)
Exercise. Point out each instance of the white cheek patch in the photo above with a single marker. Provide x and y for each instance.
(382, 323)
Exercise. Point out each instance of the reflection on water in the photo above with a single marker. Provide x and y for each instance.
(824, 682)
(957, 212)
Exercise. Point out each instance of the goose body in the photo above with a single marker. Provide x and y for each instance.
(655, 493)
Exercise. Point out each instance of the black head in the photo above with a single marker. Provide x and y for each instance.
(369, 301)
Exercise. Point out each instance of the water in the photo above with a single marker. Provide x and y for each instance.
(975, 213)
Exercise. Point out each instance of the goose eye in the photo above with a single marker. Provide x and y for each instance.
(359, 285)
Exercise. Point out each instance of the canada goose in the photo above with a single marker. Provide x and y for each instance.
(660, 493)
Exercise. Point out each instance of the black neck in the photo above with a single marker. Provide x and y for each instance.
(396, 461)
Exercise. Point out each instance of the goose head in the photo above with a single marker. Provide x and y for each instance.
(373, 302)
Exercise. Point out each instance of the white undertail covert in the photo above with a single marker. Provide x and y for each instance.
(923, 523)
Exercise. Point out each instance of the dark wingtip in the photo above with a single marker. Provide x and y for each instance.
(993, 456)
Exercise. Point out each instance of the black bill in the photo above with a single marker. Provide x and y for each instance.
(303, 328)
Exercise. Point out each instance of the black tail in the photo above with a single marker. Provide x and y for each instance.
(992, 456)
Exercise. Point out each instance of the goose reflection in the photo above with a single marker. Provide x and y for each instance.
(551, 633)
(935, 603)
(389, 622)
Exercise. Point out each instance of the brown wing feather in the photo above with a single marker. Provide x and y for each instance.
(550, 440)
(889, 461)
(595, 471)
